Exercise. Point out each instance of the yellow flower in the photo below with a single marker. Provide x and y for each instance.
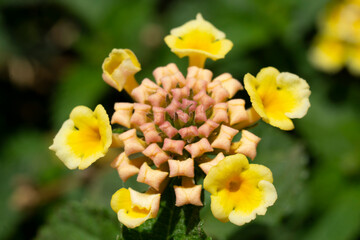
(277, 97)
(84, 138)
(134, 208)
(119, 70)
(239, 190)
(328, 54)
(199, 40)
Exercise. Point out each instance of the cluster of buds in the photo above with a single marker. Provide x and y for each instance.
(179, 122)
(337, 43)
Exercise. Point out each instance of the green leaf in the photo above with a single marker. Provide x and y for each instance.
(81, 221)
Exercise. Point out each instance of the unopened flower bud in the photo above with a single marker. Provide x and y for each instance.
(151, 176)
(199, 73)
(172, 107)
(200, 114)
(181, 168)
(188, 132)
(159, 115)
(204, 99)
(188, 105)
(248, 144)
(169, 70)
(132, 143)
(188, 193)
(158, 99)
(122, 114)
(199, 148)
(220, 113)
(125, 167)
(180, 93)
(150, 133)
(237, 111)
(229, 83)
(142, 92)
(206, 129)
(224, 138)
(139, 116)
(168, 129)
(213, 162)
(155, 153)
(183, 117)
(175, 146)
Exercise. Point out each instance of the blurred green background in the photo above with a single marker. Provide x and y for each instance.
(50, 61)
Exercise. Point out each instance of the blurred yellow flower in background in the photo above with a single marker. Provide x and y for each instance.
(338, 42)
(84, 138)
(276, 97)
(198, 39)
(239, 190)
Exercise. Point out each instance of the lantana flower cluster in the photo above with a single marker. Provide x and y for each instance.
(180, 121)
(338, 42)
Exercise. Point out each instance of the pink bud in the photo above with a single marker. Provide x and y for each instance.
(122, 114)
(200, 114)
(229, 83)
(158, 99)
(125, 167)
(170, 70)
(204, 99)
(188, 104)
(155, 153)
(206, 129)
(168, 129)
(218, 93)
(188, 194)
(200, 85)
(172, 107)
(188, 132)
(183, 117)
(140, 114)
(223, 140)
(175, 146)
(159, 115)
(220, 113)
(199, 73)
(248, 144)
(132, 143)
(199, 148)
(213, 162)
(181, 168)
(142, 92)
(150, 133)
(168, 83)
(150, 176)
(180, 93)
(237, 111)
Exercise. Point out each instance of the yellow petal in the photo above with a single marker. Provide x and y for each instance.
(199, 40)
(277, 97)
(84, 138)
(119, 69)
(239, 190)
(327, 54)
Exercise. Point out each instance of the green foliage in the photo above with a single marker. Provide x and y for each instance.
(80, 221)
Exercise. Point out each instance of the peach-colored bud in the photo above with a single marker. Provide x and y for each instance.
(204, 99)
(116, 141)
(181, 168)
(151, 176)
(132, 144)
(159, 115)
(155, 153)
(175, 146)
(199, 148)
(199, 73)
(190, 105)
(142, 92)
(150, 133)
(206, 129)
(220, 113)
(248, 144)
(199, 86)
(139, 116)
(213, 162)
(200, 114)
(188, 132)
(158, 99)
(168, 83)
(172, 107)
(237, 111)
(190, 82)
(218, 93)
(183, 117)
(122, 114)
(168, 129)
(169, 70)
(125, 167)
(188, 194)
(223, 140)
(180, 93)
(229, 83)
